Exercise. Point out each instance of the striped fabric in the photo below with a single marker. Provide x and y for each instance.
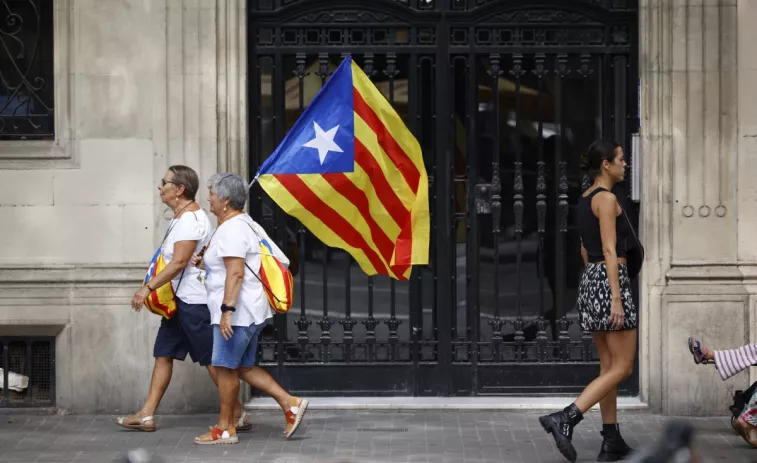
(277, 280)
(733, 362)
(353, 174)
(162, 301)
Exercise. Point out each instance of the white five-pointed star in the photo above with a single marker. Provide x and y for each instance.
(324, 142)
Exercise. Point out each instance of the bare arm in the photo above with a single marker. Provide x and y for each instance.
(605, 208)
(182, 251)
(234, 278)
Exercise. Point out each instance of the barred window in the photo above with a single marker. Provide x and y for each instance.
(26, 70)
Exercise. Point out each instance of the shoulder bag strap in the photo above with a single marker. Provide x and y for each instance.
(630, 226)
(170, 227)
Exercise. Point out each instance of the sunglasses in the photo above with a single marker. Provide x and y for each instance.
(163, 182)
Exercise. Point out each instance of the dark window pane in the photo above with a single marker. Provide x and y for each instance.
(26, 70)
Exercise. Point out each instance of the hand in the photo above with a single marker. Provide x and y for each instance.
(196, 261)
(617, 316)
(138, 300)
(226, 330)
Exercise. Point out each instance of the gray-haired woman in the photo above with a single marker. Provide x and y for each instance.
(239, 308)
(189, 330)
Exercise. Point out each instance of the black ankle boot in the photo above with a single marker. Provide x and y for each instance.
(614, 448)
(560, 425)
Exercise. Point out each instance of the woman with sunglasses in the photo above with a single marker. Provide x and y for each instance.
(189, 330)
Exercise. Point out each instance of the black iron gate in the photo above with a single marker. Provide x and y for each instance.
(502, 95)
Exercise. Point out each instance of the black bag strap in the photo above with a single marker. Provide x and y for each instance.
(630, 226)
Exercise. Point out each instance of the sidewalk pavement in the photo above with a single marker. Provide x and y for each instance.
(345, 437)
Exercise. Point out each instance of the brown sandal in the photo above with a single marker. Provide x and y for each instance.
(141, 426)
(218, 436)
(294, 415)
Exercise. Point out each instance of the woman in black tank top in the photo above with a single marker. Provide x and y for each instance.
(605, 305)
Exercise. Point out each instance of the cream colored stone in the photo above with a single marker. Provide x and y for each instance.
(45, 234)
(690, 389)
(729, 50)
(117, 34)
(747, 33)
(113, 105)
(117, 378)
(113, 172)
(26, 188)
(680, 38)
(136, 234)
(747, 198)
(747, 103)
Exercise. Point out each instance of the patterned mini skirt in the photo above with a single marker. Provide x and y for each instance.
(595, 299)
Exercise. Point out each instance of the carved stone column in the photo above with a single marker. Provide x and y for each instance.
(689, 215)
(232, 86)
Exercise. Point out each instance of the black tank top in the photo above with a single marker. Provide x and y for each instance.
(591, 236)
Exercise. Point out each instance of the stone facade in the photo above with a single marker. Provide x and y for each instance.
(698, 131)
(141, 85)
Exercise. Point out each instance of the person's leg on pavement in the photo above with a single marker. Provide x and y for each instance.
(608, 405)
(170, 344)
(294, 407)
(198, 334)
(614, 446)
(228, 392)
(622, 347)
(226, 358)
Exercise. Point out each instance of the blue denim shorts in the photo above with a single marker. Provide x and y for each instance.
(188, 331)
(239, 351)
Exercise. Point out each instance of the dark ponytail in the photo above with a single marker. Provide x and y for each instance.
(596, 154)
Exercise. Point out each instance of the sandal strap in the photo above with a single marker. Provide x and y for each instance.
(290, 416)
(147, 418)
(216, 433)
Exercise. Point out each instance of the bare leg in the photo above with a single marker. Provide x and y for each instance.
(228, 391)
(622, 346)
(161, 377)
(294, 408)
(262, 381)
(238, 405)
(609, 403)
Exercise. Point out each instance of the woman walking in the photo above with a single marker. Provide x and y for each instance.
(188, 331)
(605, 304)
(239, 308)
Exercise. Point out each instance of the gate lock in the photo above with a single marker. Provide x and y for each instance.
(489, 201)
(483, 198)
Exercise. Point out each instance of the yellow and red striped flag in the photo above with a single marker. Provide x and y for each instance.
(353, 174)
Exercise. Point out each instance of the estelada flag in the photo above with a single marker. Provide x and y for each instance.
(353, 174)
(162, 301)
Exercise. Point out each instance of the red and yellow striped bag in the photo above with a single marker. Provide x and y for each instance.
(162, 301)
(277, 280)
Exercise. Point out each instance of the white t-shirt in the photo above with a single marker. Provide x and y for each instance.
(235, 238)
(191, 226)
